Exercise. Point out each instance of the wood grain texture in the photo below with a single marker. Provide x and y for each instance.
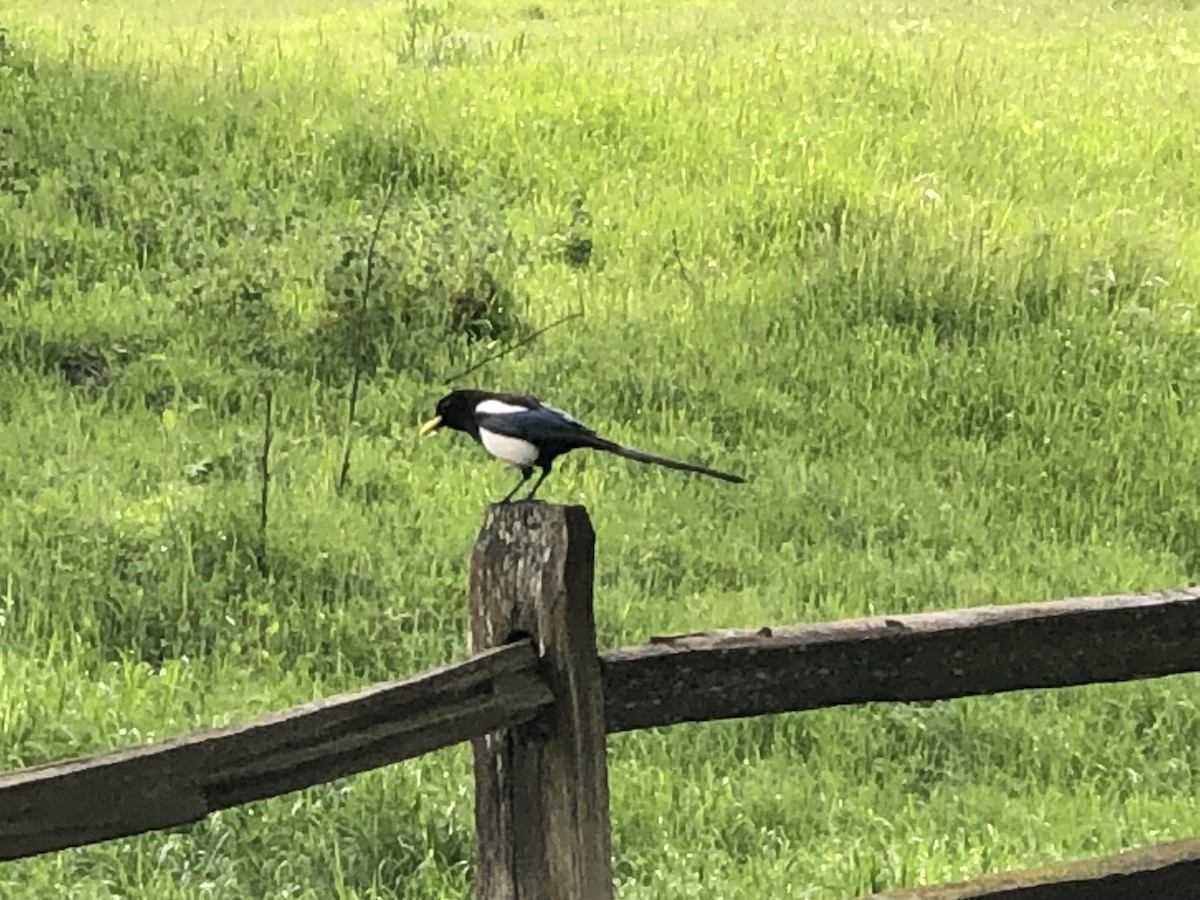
(173, 782)
(1159, 872)
(929, 656)
(541, 789)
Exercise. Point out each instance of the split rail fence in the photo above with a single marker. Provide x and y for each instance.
(536, 700)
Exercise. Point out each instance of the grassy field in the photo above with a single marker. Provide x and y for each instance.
(929, 277)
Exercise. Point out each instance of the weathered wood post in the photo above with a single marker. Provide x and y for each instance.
(541, 789)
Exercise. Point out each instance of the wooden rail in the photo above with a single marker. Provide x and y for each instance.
(926, 656)
(173, 782)
(1159, 872)
(536, 700)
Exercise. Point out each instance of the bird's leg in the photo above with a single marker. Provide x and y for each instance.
(526, 474)
(537, 484)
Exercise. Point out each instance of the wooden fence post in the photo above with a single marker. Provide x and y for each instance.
(541, 789)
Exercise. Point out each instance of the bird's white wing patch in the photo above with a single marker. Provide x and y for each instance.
(511, 450)
(498, 408)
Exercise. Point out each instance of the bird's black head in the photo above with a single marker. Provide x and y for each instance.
(456, 410)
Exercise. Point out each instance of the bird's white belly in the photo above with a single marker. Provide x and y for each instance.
(511, 450)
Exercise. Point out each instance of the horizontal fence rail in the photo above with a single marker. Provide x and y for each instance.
(1157, 872)
(181, 780)
(925, 656)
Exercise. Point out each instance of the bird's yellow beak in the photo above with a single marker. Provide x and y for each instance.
(432, 425)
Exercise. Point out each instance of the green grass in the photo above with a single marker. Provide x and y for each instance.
(930, 279)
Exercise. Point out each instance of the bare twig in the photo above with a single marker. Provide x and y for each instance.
(511, 347)
(356, 378)
(264, 470)
(696, 288)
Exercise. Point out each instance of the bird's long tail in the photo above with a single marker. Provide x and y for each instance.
(641, 456)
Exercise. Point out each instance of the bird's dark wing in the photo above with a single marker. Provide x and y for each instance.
(539, 425)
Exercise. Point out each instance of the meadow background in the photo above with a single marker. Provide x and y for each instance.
(927, 273)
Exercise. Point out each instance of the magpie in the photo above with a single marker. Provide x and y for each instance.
(524, 432)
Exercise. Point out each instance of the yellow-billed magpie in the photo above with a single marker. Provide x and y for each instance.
(526, 433)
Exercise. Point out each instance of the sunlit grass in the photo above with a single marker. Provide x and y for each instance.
(929, 279)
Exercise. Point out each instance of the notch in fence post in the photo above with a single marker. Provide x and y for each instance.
(541, 789)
